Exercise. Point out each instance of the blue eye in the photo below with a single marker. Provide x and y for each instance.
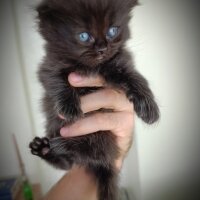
(84, 37)
(112, 32)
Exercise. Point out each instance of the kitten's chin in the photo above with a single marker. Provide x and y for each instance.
(92, 63)
(95, 63)
(96, 60)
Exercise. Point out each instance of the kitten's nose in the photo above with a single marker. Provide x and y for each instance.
(102, 50)
(101, 47)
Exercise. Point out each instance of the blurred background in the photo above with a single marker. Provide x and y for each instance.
(164, 161)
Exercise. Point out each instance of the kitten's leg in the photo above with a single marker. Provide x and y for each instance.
(41, 147)
(81, 150)
(97, 152)
(65, 99)
(137, 91)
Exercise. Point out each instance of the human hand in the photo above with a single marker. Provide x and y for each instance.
(120, 122)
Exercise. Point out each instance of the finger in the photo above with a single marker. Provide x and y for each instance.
(107, 99)
(94, 123)
(77, 80)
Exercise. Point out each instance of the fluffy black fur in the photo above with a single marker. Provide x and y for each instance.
(60, 22)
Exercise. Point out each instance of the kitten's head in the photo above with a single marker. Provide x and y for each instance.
(87, 31)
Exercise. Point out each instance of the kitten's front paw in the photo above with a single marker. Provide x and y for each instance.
(147, 109)
(40, 147)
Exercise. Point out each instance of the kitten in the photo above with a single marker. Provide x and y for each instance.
(88, 37)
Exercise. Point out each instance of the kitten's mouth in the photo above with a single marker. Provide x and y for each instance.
(99, 58)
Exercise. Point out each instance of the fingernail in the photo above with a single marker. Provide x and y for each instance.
(76, 77)
(64, 131)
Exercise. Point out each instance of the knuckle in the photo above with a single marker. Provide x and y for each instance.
(129, 119)
(76, 126)
(98, 119)
(100, 80)
(105, 121)
(126, 122)
(130, 116)
(96, 80)
(114, 93)
(111, 95)
(112, 121)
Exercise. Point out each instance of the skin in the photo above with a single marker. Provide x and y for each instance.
(78, 184)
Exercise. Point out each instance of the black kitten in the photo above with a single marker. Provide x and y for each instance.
(88, 37)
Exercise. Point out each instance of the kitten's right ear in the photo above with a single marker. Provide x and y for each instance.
(43, 9)
(47, 19)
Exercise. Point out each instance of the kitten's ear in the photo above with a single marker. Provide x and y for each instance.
(48, 19)
(47, 14)
(133, 3)
(43, 10)
(130, 4)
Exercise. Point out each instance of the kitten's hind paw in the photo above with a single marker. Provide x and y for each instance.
(40, 147)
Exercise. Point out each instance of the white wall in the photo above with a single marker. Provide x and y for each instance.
(14, 112)
(165, 45)
(31, 45)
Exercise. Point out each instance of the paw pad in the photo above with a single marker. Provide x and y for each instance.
(40, 146)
